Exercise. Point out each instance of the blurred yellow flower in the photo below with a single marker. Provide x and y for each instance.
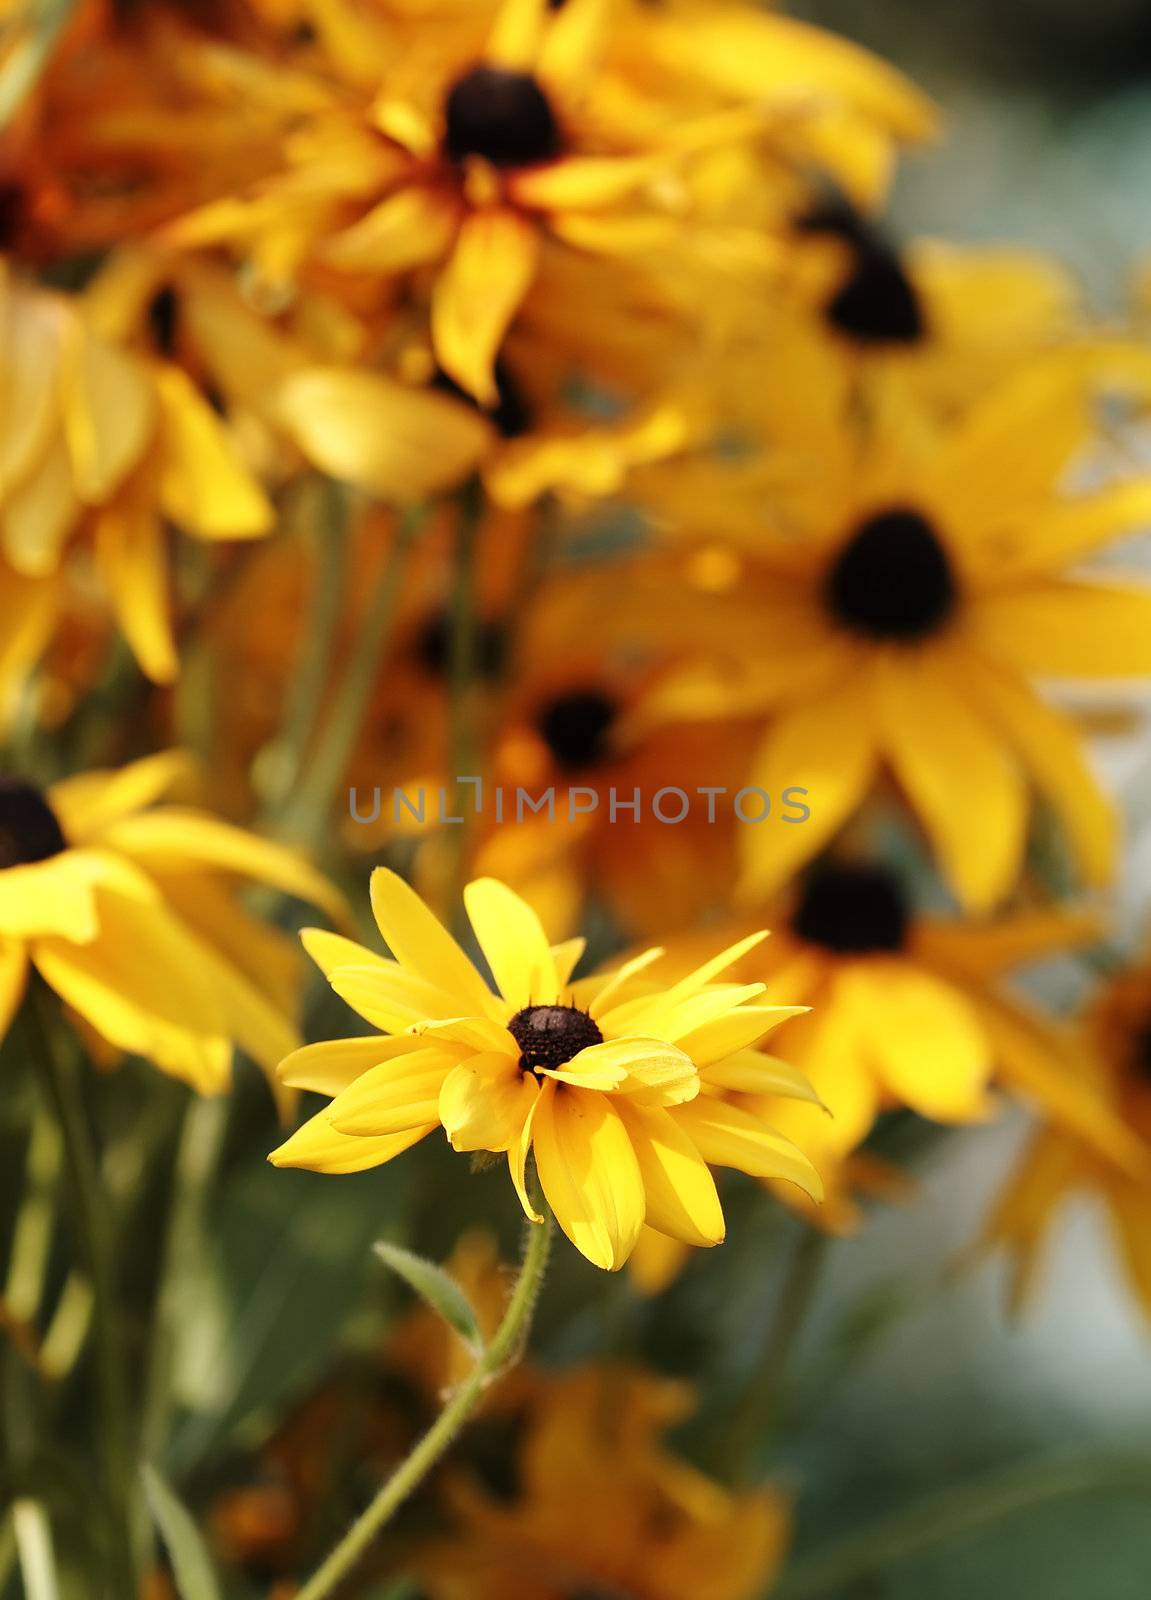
(602, 1507)
(1057, 1165)
(128, 909)
(606, 1080)
(902, 587)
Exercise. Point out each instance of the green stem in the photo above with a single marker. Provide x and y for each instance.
(287, 755)
(760, 1406)
(92, 1226)
(956, 1512)
(201, 1140)
(307, 817)
(463, 745)
(504, 1350)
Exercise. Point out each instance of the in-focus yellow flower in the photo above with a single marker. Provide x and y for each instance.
(604, 1508)
(128, 909)
(904, 586)
(607, 1080)
(1057, 1166)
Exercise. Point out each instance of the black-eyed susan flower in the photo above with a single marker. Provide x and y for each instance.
(1057, 1165)
(602, 1507)
(604, 1080)
(904, 588)
(912, 1010)
(128, 909)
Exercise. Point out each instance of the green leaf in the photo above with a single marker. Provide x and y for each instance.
(434, 1286)
(191, 1564)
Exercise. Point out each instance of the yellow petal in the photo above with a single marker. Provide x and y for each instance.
(318, 1147)
(826, 747)
(30, 335)
(90, 802)
(517, 33)
(332, 1065)
(179, 840)
(478, 294)
(204, 488)
(331, 951)
(141, 985)
(390, 997)
(418, 941)
(1075, 630)
(38, 516)
(109, 410)
(648, 1070)
(724, 1035)
(960, 776)
(391, 440)
(589, 1173)
(1051, 748)
(406, 230)
(13, 979)
(753, 1072)
(485, 1101)
(924, 1039)
(131, 548)
(680, 1192)
(727, 1136)
(514, 944)
(394, 1097)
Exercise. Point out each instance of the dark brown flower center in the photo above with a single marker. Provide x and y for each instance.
(503, 116)
(893, 579)
(852, 910)
(576, 728)
(549, 1036)
(29, 829)
(1141, 1052)
(511, 415)
(877, 303)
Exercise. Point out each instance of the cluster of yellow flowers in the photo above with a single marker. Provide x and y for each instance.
(524, 405)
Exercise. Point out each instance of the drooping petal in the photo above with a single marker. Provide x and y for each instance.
(109, 412)
(589, 1173)
(13, 978)
(478, 293)
(924, 1039)
(724, 1035)
(131, 549)
(204, 486)
(485, 1102)
(680, 1191)
(826, 748)
(970, 793)
(753, 1072)
(727, 1136)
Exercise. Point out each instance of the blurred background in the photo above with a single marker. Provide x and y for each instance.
(1048, 143)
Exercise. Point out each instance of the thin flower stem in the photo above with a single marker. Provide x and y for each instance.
(504, 1350)
(309, 813)
(93, 1233)
(759, 1408)
(330, 548)
(201, 1141)
(463, 743)
(957, 1512)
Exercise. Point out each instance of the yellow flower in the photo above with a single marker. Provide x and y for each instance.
(128, 910)
(1058, 1165)
(606, 1080)
(903, 587)
(603, 1507)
